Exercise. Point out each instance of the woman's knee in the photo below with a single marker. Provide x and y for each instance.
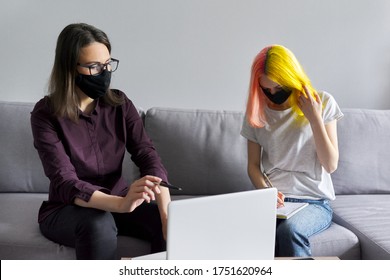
(96, 236)
(286, 229)
(97, 225)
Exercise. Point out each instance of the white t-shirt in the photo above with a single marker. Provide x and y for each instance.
(289, 155)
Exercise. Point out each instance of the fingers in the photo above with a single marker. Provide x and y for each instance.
(317, 98)
(304, 96)
(147, 194)
(152, 178)
(310, 104)
(146, 187)
(307, 95)
(280, 202)
(152, 183)
(307, 92)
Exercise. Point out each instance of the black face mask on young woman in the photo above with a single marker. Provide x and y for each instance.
(278, 97)
(94, 86)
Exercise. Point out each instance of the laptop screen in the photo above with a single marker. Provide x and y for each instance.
(233, 226)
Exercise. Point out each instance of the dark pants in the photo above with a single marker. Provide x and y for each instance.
(93, 233)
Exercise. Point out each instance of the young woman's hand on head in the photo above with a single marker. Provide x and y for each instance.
(309, 105)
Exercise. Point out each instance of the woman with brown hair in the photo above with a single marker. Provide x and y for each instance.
(81, 131)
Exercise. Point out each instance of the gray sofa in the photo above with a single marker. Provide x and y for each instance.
(205, 155)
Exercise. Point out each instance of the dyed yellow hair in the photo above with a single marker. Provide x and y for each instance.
(280, 65)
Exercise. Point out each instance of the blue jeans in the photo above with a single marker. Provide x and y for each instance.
(292, 235)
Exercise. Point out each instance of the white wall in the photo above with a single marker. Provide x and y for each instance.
(198, 53)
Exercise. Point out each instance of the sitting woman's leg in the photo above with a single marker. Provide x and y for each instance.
(91, 232)
(292, 235)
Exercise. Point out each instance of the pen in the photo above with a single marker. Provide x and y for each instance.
(267, 180)
(169, 186)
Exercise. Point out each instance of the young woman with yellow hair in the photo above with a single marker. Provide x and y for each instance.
(291, 131)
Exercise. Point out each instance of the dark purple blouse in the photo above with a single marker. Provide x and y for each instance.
(80, 158)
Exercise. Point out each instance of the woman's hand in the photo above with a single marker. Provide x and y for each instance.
(309, 105)
(280, 202)
(143, 189)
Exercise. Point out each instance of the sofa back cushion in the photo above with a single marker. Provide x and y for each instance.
(364, 165)
(20, 167)
(202, 150)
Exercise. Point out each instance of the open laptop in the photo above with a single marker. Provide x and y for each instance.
(232, 226)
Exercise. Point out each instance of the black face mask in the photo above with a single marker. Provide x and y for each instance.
(94, 86)
(278, 97)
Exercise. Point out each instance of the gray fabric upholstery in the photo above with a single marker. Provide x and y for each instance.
(368, 217)
(20, 168)
(20, 237)
(336, 241)
(205, 155)
(364, 152)
(202, 150)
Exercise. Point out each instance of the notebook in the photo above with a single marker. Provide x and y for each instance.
(232, 226)
(289, 209)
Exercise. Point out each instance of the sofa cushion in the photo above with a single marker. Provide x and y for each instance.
(20, 237)
(364, 152)
(20, 167)
(202, 150)
(336, 241)
(368, 217)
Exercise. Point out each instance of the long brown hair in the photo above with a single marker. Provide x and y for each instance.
(72, 39)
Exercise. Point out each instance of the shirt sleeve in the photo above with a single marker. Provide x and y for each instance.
(248, 131)
(140, 146)
(331, 110)
(64, 182)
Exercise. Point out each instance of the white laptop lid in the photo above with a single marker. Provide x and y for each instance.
(229, 226)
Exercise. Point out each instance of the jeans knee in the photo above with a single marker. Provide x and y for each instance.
(286, 230)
